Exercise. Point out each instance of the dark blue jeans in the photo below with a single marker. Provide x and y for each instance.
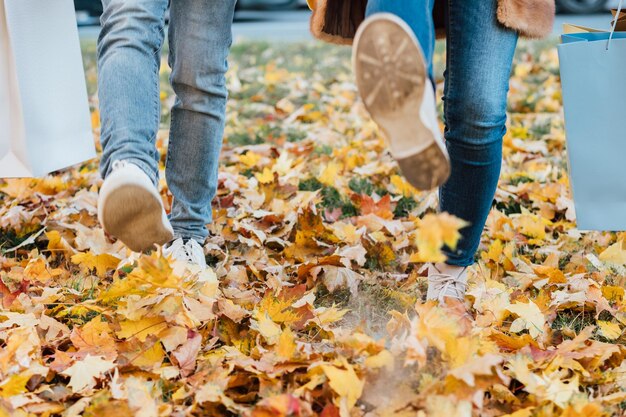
(479, 58)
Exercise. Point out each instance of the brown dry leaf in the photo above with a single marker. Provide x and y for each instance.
(187, 353)
(94, 339)
(335, 278)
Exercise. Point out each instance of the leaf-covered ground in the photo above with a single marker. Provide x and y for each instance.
(314, 303)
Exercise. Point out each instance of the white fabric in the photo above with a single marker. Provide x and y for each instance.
(44, 112)
(617, 15)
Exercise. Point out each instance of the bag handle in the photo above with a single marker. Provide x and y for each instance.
(619, 10)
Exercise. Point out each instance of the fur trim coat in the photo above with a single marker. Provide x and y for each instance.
(531, 18)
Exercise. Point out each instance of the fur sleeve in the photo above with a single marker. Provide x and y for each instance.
(532, 18)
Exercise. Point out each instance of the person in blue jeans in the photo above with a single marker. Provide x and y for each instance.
(129, 56)
(393, 52)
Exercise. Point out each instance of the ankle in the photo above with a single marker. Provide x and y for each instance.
(448, 269)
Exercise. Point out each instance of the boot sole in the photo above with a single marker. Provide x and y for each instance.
(134, 215)
(394, 97)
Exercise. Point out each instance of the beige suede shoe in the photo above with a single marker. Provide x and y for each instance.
(392, 79)
(443, 284)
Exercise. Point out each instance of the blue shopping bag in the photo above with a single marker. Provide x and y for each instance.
(593, 77)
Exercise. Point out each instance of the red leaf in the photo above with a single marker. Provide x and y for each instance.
(330, 411)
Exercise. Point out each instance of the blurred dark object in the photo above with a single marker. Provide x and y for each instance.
(336, 21)
(93, 7)
(581, 6)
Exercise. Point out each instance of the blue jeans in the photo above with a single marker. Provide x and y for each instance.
(129, 57)
(479, 58)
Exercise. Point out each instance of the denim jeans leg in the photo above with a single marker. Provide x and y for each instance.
(129, 54)
(199, 39)
(418, 14)
(479, 58)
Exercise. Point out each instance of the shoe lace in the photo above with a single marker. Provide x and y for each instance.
(188, 252)
(195, 253)
(446, 285)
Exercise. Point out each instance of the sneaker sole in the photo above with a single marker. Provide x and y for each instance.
(134, 215)
(394, 98)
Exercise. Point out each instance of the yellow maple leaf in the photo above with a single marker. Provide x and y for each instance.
(403, 187)
(584, 410)
(494, 252)
(531, 226)
(609, 330)
(274, 75)
(328, 315)
(149, 358)
(613, 293)
(616, 253)
(19, 188)
(153, 273)
(524, 412)
(56, 242)
(345, 382)
(250, 159)
(434, 231)
(39, 270)
(330, 173)
(278, 310)
(101, 263)
(14, 385)
(347, 232)
(383, 359)
(267, 328)
(141, 329)
(286, 346)
(265, 177)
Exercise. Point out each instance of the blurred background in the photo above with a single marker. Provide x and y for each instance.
(93, 7)
(287, 20)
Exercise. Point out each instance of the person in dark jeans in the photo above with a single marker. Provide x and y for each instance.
(393, 52)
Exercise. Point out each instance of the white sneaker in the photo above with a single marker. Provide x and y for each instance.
(393, 82)
(446, 281)
(130, 208)
(190, 252)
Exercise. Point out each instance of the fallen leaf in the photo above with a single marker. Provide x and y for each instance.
(85, 373)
